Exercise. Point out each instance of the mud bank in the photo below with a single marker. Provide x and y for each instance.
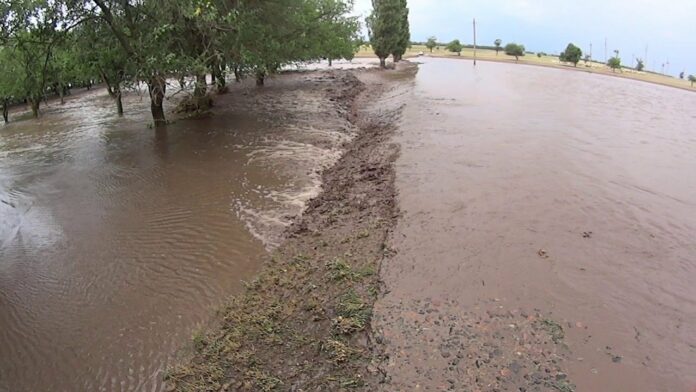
(304, 322)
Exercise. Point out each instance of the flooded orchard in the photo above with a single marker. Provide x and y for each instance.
(117, 241)
(527, 189)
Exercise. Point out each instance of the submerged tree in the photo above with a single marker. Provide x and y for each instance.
(572, 54)
(32, 31)
(57, 44)
(11, 90)
(455, 47)
(431, 44)
(513, 49)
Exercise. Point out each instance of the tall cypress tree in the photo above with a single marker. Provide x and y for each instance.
(404, 32)
(384, 25)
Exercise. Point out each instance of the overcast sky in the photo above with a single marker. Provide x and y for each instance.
(666, 27)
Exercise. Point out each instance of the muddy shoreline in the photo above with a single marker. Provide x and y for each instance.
(304, 322)
(309, 321)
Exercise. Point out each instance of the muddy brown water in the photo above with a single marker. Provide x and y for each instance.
(117, 242)
(531, 188)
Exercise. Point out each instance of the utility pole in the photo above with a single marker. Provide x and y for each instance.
(590, 51)
(474, 42)
(605, 51)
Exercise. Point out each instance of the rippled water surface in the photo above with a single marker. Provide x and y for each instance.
(567, 192)
(117, 241)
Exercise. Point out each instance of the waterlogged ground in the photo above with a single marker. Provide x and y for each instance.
(117, 242)
(537, 200)
(545, 240)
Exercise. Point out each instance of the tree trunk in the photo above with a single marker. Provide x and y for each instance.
(330, 62)
(35, 103)
(157, 87)
(5, 111)
(119, 102)
(200, 93)
(221, 81)
(260, 78)
(201, 86)
(237, 74)
(61, 94)
(383, 62)
(182, 82)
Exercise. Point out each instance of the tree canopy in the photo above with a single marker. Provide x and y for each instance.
(614, 63)
(513, 49)
(640, 65)
(692, 79)
(49, 46)
(431, 44)
(497, 44)
(388, 28)
(572, 54)
(455, 47)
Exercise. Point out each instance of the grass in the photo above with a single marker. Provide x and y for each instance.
(544, 60)
(353, 314)
(554, 329)
(340, 270)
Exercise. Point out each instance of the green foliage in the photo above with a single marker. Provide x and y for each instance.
(614, 63)
(11, 76)
(404, 40)
(60, 43)
(455, 47)
(572, 54)
(640, 65)
(388, 28)
(498, 42)
(692, 79)
(431, 44)
(513, 49)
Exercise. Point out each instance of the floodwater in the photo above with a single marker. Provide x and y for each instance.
(117, 242)
(570, 193)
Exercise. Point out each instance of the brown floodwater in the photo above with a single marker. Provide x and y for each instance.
(117, 242)
(571, 193)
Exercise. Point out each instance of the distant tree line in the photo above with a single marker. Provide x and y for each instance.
(51, 46)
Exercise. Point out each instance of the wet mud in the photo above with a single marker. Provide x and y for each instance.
(304, 322)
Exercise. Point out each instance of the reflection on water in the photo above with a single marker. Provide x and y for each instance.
(117, 240)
